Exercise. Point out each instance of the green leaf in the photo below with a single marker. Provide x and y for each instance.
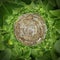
(1, 21)
(0, 3)
(5, 54)
(57, 26)
(59, 58)
(55, 12)
(7, 8)
(49, 4)
(58, 3)
(27, 1)
(52, 2)
(57, 46)
(2, 47)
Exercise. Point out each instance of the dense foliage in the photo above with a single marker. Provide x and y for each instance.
(11, 49)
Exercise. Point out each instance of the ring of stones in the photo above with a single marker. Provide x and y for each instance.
(30, 29)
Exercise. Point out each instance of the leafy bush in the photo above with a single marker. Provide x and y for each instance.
(10, 48)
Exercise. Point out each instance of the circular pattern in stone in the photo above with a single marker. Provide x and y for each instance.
(30, 29)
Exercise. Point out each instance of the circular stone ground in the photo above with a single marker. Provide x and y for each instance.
(30, 29)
